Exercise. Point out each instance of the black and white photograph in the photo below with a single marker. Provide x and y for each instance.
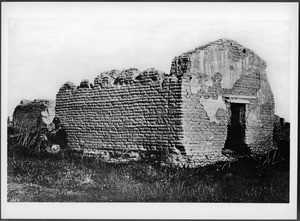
(169, 110)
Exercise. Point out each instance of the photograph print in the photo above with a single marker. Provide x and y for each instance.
(136, 102)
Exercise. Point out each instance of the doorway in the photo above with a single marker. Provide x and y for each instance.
(236, 128)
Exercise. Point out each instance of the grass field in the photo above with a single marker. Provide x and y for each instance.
(53, 179)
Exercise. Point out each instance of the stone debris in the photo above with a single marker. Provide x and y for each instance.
(54, 149)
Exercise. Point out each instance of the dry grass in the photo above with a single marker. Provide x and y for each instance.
(87, 180)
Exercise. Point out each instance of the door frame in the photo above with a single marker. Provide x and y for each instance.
(231, 141)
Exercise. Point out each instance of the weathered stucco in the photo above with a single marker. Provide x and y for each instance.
(211, 107)
(214, 76)
(186, 113)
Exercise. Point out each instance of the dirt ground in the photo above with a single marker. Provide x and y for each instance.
(18, 191)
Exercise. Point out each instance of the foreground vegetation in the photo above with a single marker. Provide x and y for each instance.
(53, 179)
(35, 175)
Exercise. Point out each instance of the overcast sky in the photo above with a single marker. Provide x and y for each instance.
(48, 46)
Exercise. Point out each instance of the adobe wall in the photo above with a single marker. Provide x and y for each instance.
(186, 113)
(124, 111)
(213, 76)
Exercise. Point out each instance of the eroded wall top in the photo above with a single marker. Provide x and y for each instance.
(118, 79)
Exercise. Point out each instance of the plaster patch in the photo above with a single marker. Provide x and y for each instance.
(195, 85)
(206, 84)
(211, 106)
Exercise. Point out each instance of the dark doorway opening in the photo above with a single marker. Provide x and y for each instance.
(236, 128)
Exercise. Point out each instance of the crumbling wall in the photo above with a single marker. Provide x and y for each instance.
(123, 112)
(213, 76)
(29, 116)
(186, 112)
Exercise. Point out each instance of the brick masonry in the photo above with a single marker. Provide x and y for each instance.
(124, 111)
(185, 113)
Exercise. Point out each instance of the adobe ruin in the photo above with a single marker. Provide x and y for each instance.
(215, 97)
(29, 116)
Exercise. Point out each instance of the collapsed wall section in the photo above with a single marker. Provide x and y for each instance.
(29, 116)
(123, 112)
(214, 77)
